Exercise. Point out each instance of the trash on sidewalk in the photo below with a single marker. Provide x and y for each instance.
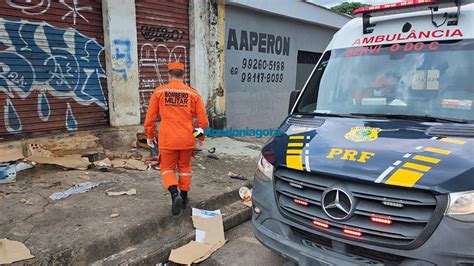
(13, 251)
(209, 238)
(11, 154)
(114, 215)
(8, 172)
(213, 156)
(103, 165)
(80, 188)
(246, 195)
(130, 164)
(26, 202)
(236, 176)
(68, 161)
(120, 193)
(21, 166)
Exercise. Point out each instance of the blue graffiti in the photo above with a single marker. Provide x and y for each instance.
(63, 62)
(123, 56)
(71, 122)
(12, 120)
(44, 109)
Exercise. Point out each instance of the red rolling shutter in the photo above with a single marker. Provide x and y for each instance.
(52, 66)
(163, 36)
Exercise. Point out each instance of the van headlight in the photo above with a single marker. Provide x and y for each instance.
(265, 168)
(461, 206)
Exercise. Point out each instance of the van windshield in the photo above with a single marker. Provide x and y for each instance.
(433, 79)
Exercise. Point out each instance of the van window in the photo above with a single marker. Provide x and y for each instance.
(425, 78)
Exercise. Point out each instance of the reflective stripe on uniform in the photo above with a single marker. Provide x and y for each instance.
(167, 172)
(184, 174)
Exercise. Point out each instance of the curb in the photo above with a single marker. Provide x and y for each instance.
(153, 243)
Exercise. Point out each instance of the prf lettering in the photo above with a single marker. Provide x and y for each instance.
(350, 155)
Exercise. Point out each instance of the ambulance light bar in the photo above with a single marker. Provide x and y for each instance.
(407, 6)
(401, 5)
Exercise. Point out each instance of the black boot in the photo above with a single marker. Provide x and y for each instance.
(176, 201)
(184, 196)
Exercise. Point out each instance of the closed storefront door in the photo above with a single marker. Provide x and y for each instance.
(52, 65)
(163, 37)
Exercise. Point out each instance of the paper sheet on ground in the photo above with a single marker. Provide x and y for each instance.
(80, 188)
(12, 251)
(209, 238)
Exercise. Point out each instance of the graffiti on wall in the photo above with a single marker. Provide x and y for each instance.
(155, 59)
(56, 62)
(40, 7)
(161, 34)
(123, 57)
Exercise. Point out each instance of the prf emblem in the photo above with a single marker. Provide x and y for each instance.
(361, 134)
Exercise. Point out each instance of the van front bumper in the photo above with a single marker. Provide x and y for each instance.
(452, 243)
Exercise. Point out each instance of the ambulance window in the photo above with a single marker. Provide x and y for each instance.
(425, 78)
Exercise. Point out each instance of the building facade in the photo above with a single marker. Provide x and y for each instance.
(71, 65)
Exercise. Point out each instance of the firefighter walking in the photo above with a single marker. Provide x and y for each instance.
(177, 104)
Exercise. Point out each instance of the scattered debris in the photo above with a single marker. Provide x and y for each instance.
(24, 166)
(236, 176)
(94, 156)
(26, 202)
(202, 167)
(209, 238)
(152, 163)
(141, 140)
(130, 164)
(246, 195)
(212, 150)
(114, 215)
(2, 195)
(13, 251)
(103, 165)
(85, 177)
(120, 193)
(7, 172)
(80, 188)
(213, 156)
(11, 154)
(68, 162)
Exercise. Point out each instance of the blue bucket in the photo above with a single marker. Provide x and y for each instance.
(7, 172)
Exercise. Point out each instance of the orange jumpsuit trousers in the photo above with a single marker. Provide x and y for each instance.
(177, 104)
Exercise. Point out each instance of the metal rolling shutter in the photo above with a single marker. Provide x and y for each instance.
(52, 66)
(163, 36)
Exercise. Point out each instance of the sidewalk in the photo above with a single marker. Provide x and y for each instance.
(80, 230)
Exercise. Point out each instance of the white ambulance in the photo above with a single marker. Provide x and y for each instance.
(375, 162)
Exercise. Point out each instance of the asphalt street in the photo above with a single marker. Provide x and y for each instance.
(243, 249)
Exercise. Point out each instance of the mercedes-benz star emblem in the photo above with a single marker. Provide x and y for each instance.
(337, 204)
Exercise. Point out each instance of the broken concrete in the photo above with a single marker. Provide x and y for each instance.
(78, 230)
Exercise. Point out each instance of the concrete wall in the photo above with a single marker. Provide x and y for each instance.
(120, 42)
(261, 100)
(206, 60)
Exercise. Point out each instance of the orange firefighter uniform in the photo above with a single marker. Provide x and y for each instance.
(177, 104)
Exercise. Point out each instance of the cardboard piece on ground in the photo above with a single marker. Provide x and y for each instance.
(213, 228)
(193, 252)
(69, 161)
(12, 154)
(209, 238)
(130, 164)
(120, 193)
(12, 251)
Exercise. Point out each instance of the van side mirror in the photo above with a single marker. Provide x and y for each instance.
(293, 96)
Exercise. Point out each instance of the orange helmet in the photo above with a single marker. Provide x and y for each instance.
(176, 66)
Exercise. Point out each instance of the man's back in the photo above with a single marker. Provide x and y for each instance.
(177, 104)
